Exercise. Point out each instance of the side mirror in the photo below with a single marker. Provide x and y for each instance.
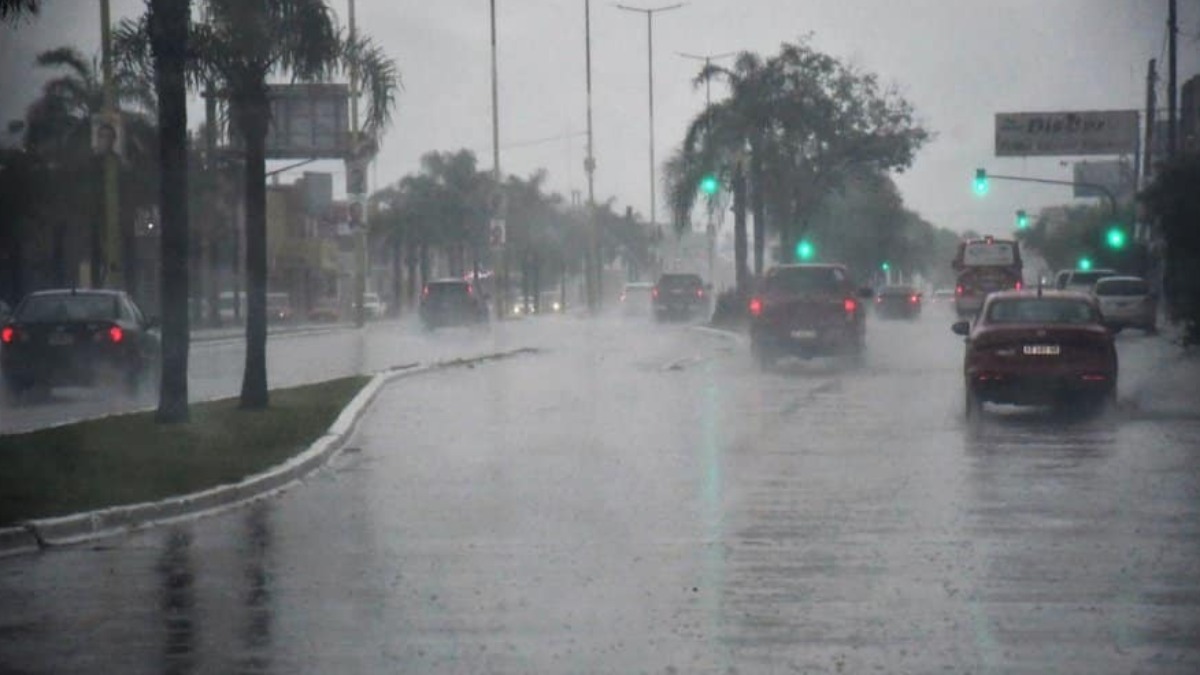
(866, 293)
(962, 328)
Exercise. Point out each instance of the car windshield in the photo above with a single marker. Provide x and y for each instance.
(804, 280)
(63, 307)
(600, 336)
(1108, 287)
(1041, 310)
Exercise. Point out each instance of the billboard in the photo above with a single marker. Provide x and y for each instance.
(1115, 175)
(1105, 132)
(309, 121)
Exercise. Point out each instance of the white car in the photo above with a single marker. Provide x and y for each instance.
(1127, 302)
(373, 306)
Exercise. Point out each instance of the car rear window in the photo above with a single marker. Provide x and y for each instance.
(670, 281)
(898, 291)
(1041, 310)
(446, 290)
(805, 279)
(78, 307)
(1122, 287)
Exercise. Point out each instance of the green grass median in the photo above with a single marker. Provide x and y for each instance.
(129, 459)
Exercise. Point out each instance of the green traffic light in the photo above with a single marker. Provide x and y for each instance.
(1022, 220)
(981, 182)
(805, 250)
(885, 267)
(1115, 238)
(709, 184)
(1085, 264)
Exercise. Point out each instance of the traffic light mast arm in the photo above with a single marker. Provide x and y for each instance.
(1112, 199)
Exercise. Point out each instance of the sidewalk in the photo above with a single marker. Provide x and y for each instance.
(1160, 379)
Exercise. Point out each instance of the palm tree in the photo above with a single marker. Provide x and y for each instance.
(13, 10)
(240, 44)
(168, 26)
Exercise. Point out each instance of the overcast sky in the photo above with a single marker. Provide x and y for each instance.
(958, 61)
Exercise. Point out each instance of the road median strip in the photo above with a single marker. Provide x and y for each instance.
(104, 477)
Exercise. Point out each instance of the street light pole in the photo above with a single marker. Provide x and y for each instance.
(498, 255)
(650, 12)
(592, 266)
(112, 277)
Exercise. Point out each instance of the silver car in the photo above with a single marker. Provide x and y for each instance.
(1127, 302)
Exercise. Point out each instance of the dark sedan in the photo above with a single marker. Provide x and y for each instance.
(898, 302)
(78, 338)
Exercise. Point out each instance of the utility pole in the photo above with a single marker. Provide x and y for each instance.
(1148, 153)
(356, 150)
(650, 12)
(1172, 104)
(711, 227)
(499, 259)
(592, 266)
(113, 277)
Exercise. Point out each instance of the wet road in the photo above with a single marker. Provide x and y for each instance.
(639, 498)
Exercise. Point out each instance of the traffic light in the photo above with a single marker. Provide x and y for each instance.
(709, 184)
(805, 250)
(885, 266)
(1115, 238)
(981, 182)
(1022, 220)
(1085, 264)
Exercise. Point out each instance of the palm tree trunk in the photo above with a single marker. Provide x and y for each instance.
(759, 208)
(253, 115)
(169, 31)
(397, 274)
(739, 231)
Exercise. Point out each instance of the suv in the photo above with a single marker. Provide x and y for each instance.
(678, 295)
(451, 302)
(807, 310)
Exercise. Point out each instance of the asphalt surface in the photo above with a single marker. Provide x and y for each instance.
(639, 498)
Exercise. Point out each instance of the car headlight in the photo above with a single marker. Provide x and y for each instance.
(557, 307)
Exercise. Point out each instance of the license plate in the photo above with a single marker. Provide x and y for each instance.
(60, 339)
(804, 334)
(1042, 350)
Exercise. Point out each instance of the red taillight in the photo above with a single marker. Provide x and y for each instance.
(699, 292)
(958, 290)
(756, 307)
(654, 293)
(913, 299)
(8, 334)
(116, 334)
(1019, 286)
(425, 292)
(849, 305)
(470, 290)
(622, 297)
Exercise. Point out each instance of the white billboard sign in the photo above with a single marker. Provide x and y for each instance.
(1104, 132)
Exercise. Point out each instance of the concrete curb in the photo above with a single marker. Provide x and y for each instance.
(39, 534)
(723, 333)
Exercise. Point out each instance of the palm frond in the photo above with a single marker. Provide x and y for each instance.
(13, 10)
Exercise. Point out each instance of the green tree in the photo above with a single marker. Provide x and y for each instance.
(1174, 202)
(12, 11)
(241, 44)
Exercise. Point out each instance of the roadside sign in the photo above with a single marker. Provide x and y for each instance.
(1106, 132)
(308, 121)
(356, 176)
(496, 232)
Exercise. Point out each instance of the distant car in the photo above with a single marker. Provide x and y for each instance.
(807, 310)
(1081, 280)
(279, 308)
(523, 306)
(1038, 348)
(451, 302)
(373, 306)
(637, 298)
(898, 302)
(679, 296)
(1127, 302)
(324, 312)
(551, 302)
(942, 297)
(78, 338)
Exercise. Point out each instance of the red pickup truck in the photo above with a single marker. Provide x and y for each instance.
(807, 310)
